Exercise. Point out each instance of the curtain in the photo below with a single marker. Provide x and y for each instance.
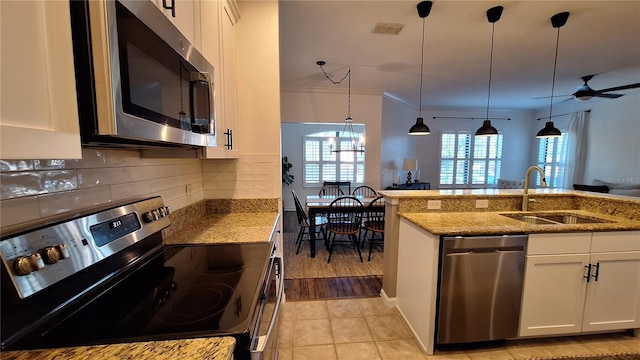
(574, 150)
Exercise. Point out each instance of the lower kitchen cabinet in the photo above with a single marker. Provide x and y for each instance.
(568, 289)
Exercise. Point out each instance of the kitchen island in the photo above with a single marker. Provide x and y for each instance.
(416, 222)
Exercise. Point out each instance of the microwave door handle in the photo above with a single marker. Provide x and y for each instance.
(263, 340)
(201, 79)
(204, 79)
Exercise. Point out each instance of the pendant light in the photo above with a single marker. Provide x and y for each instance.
(558, 21)
(486, 129)
(420, 128)
(348, 135)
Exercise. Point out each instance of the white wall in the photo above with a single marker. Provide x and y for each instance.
(613, 145)
(396, 145)
(516, 146)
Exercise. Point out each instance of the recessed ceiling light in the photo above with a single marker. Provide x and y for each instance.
(387, 28)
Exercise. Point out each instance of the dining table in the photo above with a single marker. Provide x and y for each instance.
(320, 204)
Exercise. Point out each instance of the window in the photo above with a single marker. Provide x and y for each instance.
(321, 164)
(469, 161)
(550, 159)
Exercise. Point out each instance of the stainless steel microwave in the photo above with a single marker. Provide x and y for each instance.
(140, 82)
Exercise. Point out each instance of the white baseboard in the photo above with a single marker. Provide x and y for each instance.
(391, 302)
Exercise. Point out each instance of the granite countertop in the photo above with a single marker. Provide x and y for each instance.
(226, 228)
(491, 223)
(217, 348)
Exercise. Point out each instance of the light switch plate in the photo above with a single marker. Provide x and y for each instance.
(434, 204)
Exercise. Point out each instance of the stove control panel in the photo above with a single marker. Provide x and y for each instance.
(40, 257)
(156, 214)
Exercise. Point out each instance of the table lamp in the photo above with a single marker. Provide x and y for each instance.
(410, 165)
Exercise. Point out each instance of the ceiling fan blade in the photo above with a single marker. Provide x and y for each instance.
(547, 97)
(623, 87)
(608, 96)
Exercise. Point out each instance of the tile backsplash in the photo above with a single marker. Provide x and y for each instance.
(37, 189)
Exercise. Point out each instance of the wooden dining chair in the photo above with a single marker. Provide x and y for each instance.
(330, 190)
(303, 223)
(364, 191)
(374, 223)
(344, 218)
(345, 186)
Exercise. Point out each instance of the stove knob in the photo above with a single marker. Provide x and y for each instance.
(147, 217)
(53, 254)
(25, 265)
(155, 214)
(166, 210)
(64, 251)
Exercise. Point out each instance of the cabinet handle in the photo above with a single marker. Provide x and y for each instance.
(597, 266)
(229, 143)
(171, 7)
(588, 272)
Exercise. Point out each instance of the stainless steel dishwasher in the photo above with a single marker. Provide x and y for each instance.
(480, 288)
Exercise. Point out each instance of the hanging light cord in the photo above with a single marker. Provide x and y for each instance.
(553, 81)
(334, 82)
(421, 66)
(493, 29)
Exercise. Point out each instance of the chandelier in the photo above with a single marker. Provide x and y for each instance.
(348, 136)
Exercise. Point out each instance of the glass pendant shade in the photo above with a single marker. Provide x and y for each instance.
(486, 129)
(548, 131)
(419, 128)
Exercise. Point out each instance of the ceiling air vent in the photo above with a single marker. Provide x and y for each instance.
(387, 28)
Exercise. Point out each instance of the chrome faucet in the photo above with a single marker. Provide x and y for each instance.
(543, 182)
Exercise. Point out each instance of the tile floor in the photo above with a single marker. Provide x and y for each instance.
(365, 328)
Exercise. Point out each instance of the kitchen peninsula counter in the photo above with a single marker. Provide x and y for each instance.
(455, 212)
(491, 223)
(216, 348)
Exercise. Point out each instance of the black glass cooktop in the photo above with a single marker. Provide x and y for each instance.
(182, 291)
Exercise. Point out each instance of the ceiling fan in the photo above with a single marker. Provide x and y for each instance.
(585, 92)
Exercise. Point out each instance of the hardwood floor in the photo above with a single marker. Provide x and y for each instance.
(327, 288)
(333, 288)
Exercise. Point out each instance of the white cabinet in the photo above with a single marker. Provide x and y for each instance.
(613, 294)
(218, 42)
(185, 15)
(579, 282)
(418, 253)
(38, 108)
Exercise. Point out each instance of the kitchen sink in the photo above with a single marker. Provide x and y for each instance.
(554, 219)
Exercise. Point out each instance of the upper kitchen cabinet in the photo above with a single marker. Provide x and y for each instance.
(38, 109)
(218, 21)
(185, 15)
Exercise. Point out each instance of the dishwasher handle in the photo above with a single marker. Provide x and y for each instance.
(488, 250)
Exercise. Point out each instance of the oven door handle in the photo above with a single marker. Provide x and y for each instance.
(264, 339)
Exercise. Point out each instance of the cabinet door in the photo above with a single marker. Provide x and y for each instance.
(39, 110)
(186, 17)
(229, 18)
(613, 297)
(553, 294)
